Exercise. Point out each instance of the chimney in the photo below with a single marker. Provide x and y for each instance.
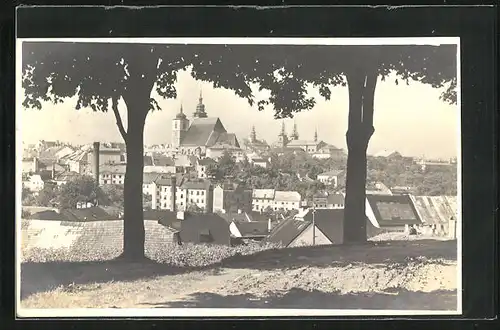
(239, 211)
(269, 225)
(95, 159)
(35, 165)
(53, 171)
(173, 187)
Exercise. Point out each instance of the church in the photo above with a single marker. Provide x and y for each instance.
(202, 135)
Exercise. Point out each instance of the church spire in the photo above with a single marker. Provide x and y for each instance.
(316, 135)
(295, 133)
(253, 135)
(181, 114)
(200, 108)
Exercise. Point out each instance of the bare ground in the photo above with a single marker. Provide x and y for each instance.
(419, 274)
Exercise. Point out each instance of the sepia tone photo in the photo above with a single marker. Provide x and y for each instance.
(238, 177)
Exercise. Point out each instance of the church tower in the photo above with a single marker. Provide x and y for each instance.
(200, 109)
(253, 135)
(295, 133)
(282, 137)
(180, 125)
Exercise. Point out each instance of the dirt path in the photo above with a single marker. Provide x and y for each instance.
(416, 275)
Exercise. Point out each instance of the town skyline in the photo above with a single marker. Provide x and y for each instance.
(439, 139)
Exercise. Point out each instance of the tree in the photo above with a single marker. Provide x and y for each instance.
(359, 68)
(47, 196)
(102, 74)
(81, 189)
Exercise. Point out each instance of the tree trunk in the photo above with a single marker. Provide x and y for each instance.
(361, 85)
(134, 235)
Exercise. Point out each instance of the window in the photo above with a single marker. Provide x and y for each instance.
(197, 200)
(197, 193)
(202, 193)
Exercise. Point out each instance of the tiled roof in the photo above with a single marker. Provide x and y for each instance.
(287, 196)
(263, 193)
(254, 228)
(200, 132)
(112, 169)
(87, 214)
(199, 184)
(286, 231)
(329, 221)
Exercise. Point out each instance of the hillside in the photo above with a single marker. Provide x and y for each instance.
(403, 274)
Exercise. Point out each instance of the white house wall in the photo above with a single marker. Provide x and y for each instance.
(306, 238)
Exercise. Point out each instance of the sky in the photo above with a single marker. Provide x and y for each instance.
(409, 119)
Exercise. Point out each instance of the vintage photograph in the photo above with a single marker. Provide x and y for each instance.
(238, 177)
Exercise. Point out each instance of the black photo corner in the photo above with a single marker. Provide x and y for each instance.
(477, 27)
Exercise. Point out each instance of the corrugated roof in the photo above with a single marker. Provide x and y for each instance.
(263, 193)
(287, 196)
(435, 209)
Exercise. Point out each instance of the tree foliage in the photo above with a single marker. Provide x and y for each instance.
(100, 74)
(81, 189)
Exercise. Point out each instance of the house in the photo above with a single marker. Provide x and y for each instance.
(159, 164)
(65, 177)
(329, 151)
(166, 193)
(377, 188)
(36, 182)
(229, 197)
(388, 213)
(202, 166)
(287, 200)
(438, 214)
(148, 180)
(328, 201)
(198, 193)
(328, 227)
(262, 199)
(29, 165)
(112, 174)
(217, 150)
(260, 162)
(208, 228)
(256, 230)
(331, 178)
